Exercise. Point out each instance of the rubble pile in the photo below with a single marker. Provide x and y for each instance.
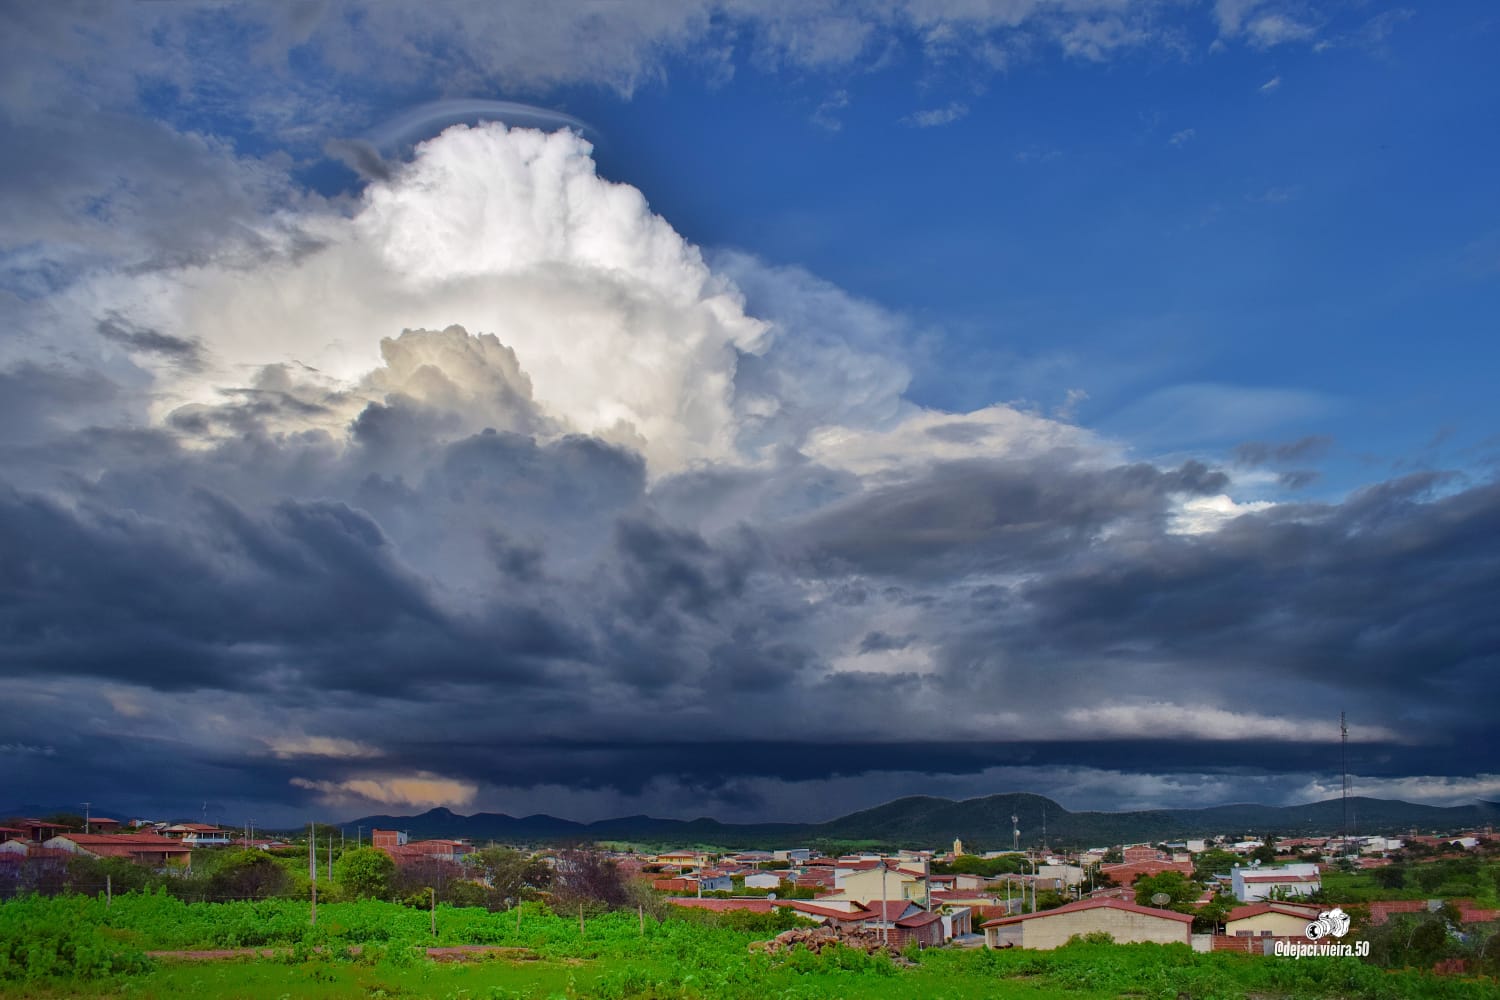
(815, 939)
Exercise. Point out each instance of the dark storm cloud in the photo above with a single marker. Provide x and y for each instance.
(1298, 479)
(712, 764)
(1261, 453)
(184, 352)
(35, 400)
(1390, 592)
(876, 642)
(973, 516)
(427, 572)
(480, 607)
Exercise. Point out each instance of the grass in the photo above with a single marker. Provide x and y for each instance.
(75, 947)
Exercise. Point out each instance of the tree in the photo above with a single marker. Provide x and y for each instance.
(1211, 915)
(448, 881)
(88, 875)
(247, 874)
(1390, 877)
(365, 873)
(1428, 877)
(1213, 862)
(511, 875)
(586, 877)
(1183, 893)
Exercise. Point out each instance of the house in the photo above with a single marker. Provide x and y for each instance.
(868, 883)
(957, 921)
(1269, 920)
(37, 830)
(1254, 884)
(101, 824)
(752, 858)
(683, 859)
(1065, 875)
(141, 848)
(199, 834)
(715, 881)
(9, 833)
(796, 855)
(1126, 922)
(763, 880)
(1142, 853)
(387, 838)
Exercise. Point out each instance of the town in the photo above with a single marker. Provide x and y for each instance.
(1255, 895)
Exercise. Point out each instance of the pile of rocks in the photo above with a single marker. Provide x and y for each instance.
(815, 939)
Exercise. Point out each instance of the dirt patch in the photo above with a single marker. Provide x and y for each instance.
(448, 953)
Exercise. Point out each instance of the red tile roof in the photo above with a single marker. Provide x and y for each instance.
(119, 839)
(1094, 904)
(803, 906)
(1256, 909)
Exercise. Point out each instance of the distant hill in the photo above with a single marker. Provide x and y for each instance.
(982, 823)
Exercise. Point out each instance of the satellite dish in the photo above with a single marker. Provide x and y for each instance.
(770, 895)
(1161, 899)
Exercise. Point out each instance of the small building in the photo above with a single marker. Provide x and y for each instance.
(1269, 920)
(146, 849)
(1067, 876)
(683, 859)
(712, 881)
(1127, 923)
(387, 838)
(868, 883)
(763, 880)
(1254, 884)
(38, 831)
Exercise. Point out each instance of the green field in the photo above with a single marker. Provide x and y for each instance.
(73, 946)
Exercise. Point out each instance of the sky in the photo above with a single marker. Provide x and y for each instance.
(744, 408)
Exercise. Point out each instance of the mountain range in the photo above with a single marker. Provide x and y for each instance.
(982, 823)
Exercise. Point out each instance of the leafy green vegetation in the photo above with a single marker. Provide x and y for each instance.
(1447, 878)
(73, 946)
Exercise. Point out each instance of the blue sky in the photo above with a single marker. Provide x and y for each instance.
(935, 354)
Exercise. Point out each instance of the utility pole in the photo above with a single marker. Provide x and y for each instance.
(312, 868)
(432, 894)
(1344, 764)
(359, 833)
(86, 817)
(330, 854)
(885, 923)
(1015, 832)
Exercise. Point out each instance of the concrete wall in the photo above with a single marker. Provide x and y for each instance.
(865, 886)
(1279, 924)
(1053, 931)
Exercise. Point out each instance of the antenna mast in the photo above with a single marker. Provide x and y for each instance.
(1015, 832)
